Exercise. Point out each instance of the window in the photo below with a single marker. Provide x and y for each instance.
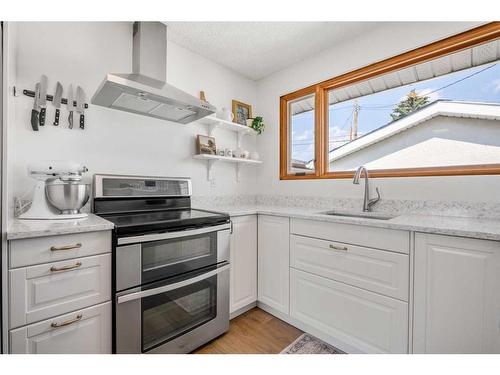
(431, 111)
(301, 158)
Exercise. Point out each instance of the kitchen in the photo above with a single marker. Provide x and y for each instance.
(189, 226)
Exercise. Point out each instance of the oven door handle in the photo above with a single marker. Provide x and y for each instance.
(169, 287)
(171, 235)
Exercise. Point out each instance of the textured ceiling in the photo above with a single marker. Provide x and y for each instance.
(257, 49)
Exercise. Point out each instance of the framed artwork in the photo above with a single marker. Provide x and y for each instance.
(241, 112)
(205, 145)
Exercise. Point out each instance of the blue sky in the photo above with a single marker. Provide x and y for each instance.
(376, 108)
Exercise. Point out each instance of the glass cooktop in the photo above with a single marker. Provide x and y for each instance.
(163, 220)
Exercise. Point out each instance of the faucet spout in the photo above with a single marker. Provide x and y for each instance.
(367, 202)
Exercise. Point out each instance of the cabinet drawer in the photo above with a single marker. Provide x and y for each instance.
(380, 271)
(379, 238)
(86, 331)
(365, 320)
(32, 251)
(41, 292)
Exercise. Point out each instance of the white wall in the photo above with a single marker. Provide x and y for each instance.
(385, 41)
(114, 141)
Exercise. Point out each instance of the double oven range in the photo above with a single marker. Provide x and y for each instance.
(170, 264)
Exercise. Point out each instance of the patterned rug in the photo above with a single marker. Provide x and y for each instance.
(307, 344)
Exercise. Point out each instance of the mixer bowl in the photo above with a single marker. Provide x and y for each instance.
(68, 198)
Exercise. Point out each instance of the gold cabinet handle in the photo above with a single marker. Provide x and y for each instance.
(67, 247)
(341, 248)
(65, 268)
(67, 322)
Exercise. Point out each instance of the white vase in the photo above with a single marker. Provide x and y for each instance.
(225, 114)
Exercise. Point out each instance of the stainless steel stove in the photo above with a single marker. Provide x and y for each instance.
(170, 264)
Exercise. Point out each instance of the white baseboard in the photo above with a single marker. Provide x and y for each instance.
(242, 310)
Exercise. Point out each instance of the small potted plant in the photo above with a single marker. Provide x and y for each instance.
(256, 124)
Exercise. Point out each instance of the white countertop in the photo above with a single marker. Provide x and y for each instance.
(18, 229)
(449, 225)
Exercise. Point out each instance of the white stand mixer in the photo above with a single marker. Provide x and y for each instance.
(61, 172)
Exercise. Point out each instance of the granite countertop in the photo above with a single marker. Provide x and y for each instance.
(449, 225)
(18, 229)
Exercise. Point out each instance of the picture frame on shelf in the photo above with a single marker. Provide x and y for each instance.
(205, 145)
(241, 112)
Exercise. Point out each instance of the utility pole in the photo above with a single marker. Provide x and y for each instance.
(354, 127)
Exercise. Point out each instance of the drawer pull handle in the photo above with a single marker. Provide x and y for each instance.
(68, 247)
(67, 322)
(341, 248)
(65, 268)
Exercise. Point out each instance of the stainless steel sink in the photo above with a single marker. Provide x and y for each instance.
(364, 215)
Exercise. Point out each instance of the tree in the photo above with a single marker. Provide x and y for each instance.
(409, 104)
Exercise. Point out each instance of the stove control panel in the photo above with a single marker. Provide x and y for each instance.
(140, 186)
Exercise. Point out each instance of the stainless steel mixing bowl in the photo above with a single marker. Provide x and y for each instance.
(67, 197)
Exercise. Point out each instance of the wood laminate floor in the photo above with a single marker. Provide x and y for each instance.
(254, 332)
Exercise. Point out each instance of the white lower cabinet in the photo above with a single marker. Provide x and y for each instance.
(456, 295)
(368, 321)
(243, 284)
(86, 331)
(274, 261)
(59, 291)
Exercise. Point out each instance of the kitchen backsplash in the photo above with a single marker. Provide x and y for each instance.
(392, 206)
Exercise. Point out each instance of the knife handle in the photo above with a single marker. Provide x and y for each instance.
(42, 116)
(56, 120)
(82, 121)
(70, 119)
(34, 119)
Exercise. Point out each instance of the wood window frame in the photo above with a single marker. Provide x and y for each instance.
(455, 43)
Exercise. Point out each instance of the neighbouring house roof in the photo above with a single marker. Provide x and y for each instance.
(465, 59)
(486, 111)
(299, 164)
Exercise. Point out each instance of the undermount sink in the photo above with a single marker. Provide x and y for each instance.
(364, 215)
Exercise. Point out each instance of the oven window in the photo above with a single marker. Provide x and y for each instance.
(168, 315)
(170, 257)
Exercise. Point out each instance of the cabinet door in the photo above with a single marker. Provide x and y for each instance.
(456, 295)
(48, 290)
(274, 261)
(243, 262)
(379, 271)
(31, 251)
(86, 331)
(368, 321)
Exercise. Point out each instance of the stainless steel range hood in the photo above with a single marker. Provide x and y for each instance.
(145, 91)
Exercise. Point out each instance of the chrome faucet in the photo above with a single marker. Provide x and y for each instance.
(367, 202)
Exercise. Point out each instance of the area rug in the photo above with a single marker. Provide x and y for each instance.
(307, 344)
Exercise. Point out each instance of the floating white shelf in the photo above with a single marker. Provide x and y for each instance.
(213, 123)
(211, 159)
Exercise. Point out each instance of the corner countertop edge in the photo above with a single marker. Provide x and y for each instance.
(20, 229)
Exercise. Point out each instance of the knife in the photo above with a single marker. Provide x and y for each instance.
(56, 102)
(70, 106)
(80, 105)
(43, 99)
(36, 108)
